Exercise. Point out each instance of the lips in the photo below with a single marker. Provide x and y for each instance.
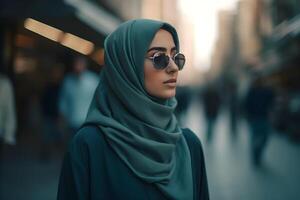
(173, 80)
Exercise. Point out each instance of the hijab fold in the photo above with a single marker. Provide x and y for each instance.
(140, 128)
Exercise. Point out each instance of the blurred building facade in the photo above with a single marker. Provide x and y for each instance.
(261, 38)
(36, 36)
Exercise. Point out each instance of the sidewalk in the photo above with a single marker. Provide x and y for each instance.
(26, 177)
(231, 175)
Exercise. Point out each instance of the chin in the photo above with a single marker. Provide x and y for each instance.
(168, 94)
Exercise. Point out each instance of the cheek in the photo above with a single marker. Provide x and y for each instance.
(152, 79)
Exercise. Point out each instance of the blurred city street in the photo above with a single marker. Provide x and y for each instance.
(231, 175)
(241, 77)
(26, 176)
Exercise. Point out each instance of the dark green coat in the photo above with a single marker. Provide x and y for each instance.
(92, 171)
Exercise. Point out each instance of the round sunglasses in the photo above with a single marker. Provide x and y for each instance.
(161, 60)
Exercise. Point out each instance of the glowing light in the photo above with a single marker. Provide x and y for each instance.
(78, 44)
(67, 39)
(43, 29)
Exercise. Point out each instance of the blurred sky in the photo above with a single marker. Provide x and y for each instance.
(203, 14)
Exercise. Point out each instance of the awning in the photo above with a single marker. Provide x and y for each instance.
(287, 29)
(95, 16)
(82, 18)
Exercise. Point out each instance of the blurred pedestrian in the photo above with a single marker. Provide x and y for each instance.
(76, 94)
(183, 97)
(233, 106)
(211, 104)
(131, 146)
(258, 102)
(52, 132)
(7, 117)
(7, 113)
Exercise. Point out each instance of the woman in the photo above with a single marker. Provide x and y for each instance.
(131, 146)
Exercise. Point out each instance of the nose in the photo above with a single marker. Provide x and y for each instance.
(172, 67)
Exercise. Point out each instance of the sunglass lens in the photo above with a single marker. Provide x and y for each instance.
(179, 60)
(161, 61)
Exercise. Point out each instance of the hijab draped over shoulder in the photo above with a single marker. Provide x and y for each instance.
(140, 128)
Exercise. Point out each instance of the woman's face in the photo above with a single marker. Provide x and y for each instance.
(161, 83)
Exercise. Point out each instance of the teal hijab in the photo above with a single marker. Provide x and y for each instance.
(140, 128)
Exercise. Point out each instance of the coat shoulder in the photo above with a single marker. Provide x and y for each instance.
(88, 137)
(192, 139)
